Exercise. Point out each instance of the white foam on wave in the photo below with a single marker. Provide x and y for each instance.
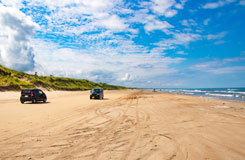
(232, 89)
(229, 91)
(199, 91)
(231, 94)
(189, 93)
(222, 95)
(237, 95)
(236, 92)
(192, 91)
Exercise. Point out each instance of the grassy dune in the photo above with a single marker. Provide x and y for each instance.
(14, 80)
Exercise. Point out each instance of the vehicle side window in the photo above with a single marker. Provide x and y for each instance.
(35, 92)
(40, 92)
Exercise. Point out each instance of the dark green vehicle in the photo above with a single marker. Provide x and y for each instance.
(33, 95)
(97, 93)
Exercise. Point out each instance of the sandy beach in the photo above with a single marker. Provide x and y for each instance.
(127, 125)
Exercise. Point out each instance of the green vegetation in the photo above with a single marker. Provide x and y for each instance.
(14, 80)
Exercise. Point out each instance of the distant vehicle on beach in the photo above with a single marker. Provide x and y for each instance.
(32, 95)
(97, 93)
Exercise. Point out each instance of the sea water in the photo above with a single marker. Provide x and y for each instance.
(234, 94)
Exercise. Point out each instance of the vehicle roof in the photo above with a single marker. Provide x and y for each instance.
(30, 89)
(97, 88)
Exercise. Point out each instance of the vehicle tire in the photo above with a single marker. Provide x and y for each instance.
(34, 100)
(45, 100)
(22, 102)
(102, 97)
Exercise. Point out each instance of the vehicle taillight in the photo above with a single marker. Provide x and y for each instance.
(31, 93)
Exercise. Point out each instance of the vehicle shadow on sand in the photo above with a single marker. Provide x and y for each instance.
(37, 103)
(105, 99)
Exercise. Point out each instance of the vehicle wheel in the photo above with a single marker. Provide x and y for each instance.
(102, 97)
(34, 101)
(22, 102)
(45, 100)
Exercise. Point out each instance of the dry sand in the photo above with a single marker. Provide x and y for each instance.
(129, 124)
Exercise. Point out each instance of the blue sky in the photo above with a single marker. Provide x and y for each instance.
(156, 43)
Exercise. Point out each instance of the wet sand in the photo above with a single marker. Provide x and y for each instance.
(126, 125)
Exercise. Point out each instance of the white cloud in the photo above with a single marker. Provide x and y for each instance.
(179, 39)
(185, 38)
(158, 50)
(81, 16)
(164, 7)
(170, 13)
(181, 53)
(216, 36)
(98, 4)
(16, 30)
(157, 25)
(167, 8)
(78, 16)
(89, 4)
(189, 22)
(219, 42)
(161, 6)
(102, 64)
(225, 70)
(139, 16)
(242, 2)
(150, 21)
(206, 21)
(114, 23)
(181, 4)
(236, 59)
(184, 23)
(126, 77)
(220, 66)
(13, 3)
(217, 4)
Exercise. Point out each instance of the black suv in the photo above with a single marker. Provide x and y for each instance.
(97, 93)
(33, 95)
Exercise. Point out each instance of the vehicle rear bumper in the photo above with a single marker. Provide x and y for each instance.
(94, 96)
(26, 98)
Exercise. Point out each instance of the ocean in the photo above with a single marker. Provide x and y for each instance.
(234, 94)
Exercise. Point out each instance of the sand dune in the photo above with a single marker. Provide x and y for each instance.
(131, 124)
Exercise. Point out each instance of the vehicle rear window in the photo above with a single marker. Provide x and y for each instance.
(26, 91)
(96, 90)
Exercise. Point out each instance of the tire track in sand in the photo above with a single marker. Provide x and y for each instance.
(83, 145)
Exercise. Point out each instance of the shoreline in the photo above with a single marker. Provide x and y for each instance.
(217, 98)
(231, 94)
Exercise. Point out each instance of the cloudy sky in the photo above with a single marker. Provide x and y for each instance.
(136, 43)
